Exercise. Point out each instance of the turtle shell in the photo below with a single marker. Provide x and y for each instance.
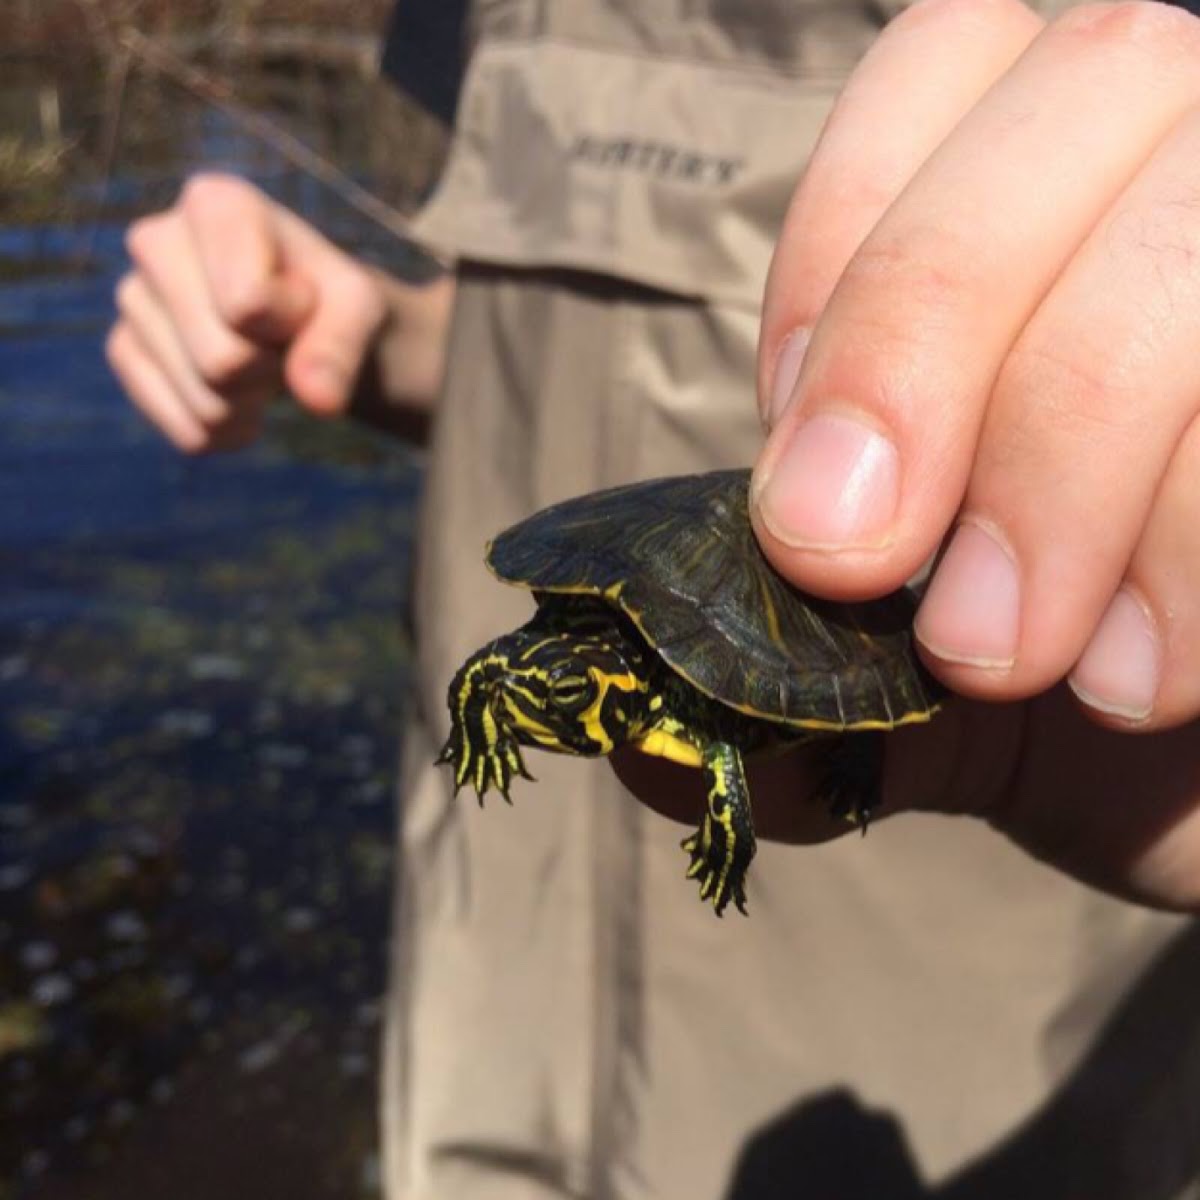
(679, 557)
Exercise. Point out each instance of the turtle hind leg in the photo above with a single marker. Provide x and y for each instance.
(851, 782)
(721, 849)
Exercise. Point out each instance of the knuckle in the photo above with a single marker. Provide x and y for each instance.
(223, 361)
(1088, 399)
(1157, 247)
(903, 301)
(207, 188)
(984, 12)
(199, 187)
(126, 293)
(1140, 26)
(921, 271)
(242, 302)
(145, 236)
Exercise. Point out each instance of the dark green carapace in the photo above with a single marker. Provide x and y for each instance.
(661, 625)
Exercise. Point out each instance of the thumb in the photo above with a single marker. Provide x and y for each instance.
(341, 324)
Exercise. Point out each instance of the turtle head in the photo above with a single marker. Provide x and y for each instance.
(570, 691)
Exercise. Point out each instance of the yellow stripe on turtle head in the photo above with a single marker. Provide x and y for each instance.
(592, 717)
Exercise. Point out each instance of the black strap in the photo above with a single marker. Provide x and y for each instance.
(425, 52)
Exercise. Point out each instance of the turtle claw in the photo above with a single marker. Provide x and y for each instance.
(483, 768)
(720, 881)
(850, 786)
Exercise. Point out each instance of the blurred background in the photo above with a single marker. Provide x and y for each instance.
(202, 661)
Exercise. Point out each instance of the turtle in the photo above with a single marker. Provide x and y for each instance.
(660, 624)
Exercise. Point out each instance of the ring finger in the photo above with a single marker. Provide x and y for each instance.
(1141, 668)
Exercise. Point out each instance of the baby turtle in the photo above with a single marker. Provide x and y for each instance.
(661, 625)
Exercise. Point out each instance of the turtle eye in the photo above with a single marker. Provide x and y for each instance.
(573, 693)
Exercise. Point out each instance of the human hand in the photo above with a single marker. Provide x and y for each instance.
(995, 249)
(231, 296)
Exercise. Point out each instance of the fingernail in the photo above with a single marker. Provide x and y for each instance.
(836, 485)
(1119, 670)
(787, 371)
(971, 612)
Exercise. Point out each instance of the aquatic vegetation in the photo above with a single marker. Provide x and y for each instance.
(23, 1027)
(32, 173)
(201, 824)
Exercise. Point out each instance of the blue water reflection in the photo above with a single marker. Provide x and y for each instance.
(201, 676)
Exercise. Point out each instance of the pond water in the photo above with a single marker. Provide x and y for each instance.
(202, 666)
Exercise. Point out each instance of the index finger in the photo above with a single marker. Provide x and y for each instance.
(941, 56)
(236, 231)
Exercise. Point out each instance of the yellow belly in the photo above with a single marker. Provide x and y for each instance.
(658, 743)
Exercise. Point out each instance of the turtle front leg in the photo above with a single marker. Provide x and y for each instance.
(482, 756)
(481, 750)
(721, 849)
